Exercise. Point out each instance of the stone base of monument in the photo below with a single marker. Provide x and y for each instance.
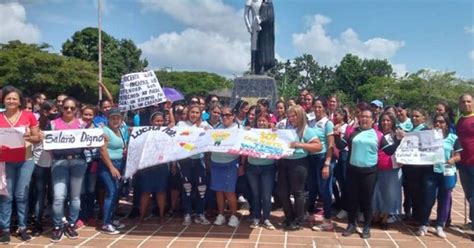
(253, 87)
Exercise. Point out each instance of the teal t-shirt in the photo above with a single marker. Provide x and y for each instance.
(309, 134)
(420, 127)
(364, 148)
(116, 144)
(223, 158)
(406, 126)
(323, 129)
(450, 145)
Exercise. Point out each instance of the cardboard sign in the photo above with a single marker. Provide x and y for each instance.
(140, 90)
(75, 138)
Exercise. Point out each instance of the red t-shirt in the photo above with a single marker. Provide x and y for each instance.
(465, 132)
(25, 119)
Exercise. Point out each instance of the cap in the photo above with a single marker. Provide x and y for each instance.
(114, 111)
(377, 103)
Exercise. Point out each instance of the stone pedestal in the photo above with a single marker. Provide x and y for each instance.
(253, 87)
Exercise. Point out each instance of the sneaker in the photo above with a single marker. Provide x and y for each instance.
(57, 234)
(268, 225)
(233, 221)
(342, 215)
(366, 233)
(440, 232)
(79, 223)
(201, 219)
(118, 225)
(110, 229)
(5, 238)
(324, 227)
(23, 235)
(392, 219)
(220, 220)
(255, 223)
(187, 220)
(71, 232)
(351, 229)
(422, 231)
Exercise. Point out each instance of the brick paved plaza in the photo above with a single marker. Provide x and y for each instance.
(173, 234)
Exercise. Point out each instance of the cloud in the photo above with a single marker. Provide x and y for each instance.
(194, 49)
(330, 50)
(469, 30)
(215, 37)
(15, 26)
(206, 15)
(471, 55)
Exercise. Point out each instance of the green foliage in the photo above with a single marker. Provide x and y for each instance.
(32, 69)
(119, 56)
(192, 83)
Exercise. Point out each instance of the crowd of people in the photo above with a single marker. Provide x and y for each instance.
(342, 167)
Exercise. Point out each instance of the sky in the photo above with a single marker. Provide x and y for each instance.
(210, 35)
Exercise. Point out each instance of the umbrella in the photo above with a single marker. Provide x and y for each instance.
(173, 94)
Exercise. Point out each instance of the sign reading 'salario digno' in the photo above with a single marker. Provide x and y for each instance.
(140, 90)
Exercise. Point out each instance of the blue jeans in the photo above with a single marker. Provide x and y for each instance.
(42, 176)
(466, 174)
(434, 189)
(261, 179)
(18, 183)
(194, 179)
(112, 187)
(67, 174)
(318, 185)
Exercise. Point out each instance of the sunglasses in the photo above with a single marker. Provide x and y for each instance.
(69, 108)
(226, 115)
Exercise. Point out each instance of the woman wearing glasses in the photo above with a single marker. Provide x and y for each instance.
(67, 174)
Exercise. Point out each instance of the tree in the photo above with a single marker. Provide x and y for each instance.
(32, 69)
(192, 83)
(119, 56)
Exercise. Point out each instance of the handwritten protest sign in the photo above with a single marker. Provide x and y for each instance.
(421, 148)
(12, 137)
(264, 143)
(151, 145)
(139, 90)
(75, 138)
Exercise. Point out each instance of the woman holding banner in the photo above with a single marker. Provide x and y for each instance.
(111, 168)
(441, 179)
(292, 171)
(67, 174)
(193, 172)
(260, 173)
(224, 172)
(18, 163)
(154, 180)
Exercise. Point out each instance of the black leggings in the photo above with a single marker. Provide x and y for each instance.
(292, 175)
(360, 191)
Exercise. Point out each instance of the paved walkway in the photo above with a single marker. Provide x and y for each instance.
(173, 234)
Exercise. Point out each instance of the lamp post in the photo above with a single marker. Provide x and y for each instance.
(99, 45)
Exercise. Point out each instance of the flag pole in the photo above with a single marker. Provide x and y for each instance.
(99, 45)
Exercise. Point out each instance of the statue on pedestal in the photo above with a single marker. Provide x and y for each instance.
(260, 22)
